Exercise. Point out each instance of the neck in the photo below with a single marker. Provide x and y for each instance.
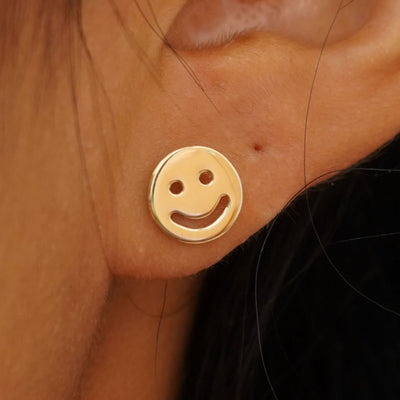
(141, 340)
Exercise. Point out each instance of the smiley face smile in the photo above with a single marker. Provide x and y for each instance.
(204, 220)
(195, 194)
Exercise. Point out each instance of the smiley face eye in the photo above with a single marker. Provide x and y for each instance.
(176, 187)
(206, 177)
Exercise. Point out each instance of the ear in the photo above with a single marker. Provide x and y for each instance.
(249, 98)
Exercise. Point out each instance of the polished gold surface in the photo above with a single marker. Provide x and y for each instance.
(195, 194)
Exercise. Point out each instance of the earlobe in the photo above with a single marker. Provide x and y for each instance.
(275, 108)
(261, 86)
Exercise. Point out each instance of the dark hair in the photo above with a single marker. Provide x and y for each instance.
(319, 337)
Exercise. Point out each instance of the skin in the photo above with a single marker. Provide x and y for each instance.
(83, 265)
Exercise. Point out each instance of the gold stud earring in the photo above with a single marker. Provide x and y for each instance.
(195, 194)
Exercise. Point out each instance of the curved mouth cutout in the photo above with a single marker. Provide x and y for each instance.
(202, 221)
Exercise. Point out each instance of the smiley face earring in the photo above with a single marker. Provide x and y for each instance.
(195, 194)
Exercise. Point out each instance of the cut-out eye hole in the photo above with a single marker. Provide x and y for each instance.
(176, 187)
(206, 177)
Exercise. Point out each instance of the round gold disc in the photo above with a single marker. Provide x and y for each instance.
(195, 194)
